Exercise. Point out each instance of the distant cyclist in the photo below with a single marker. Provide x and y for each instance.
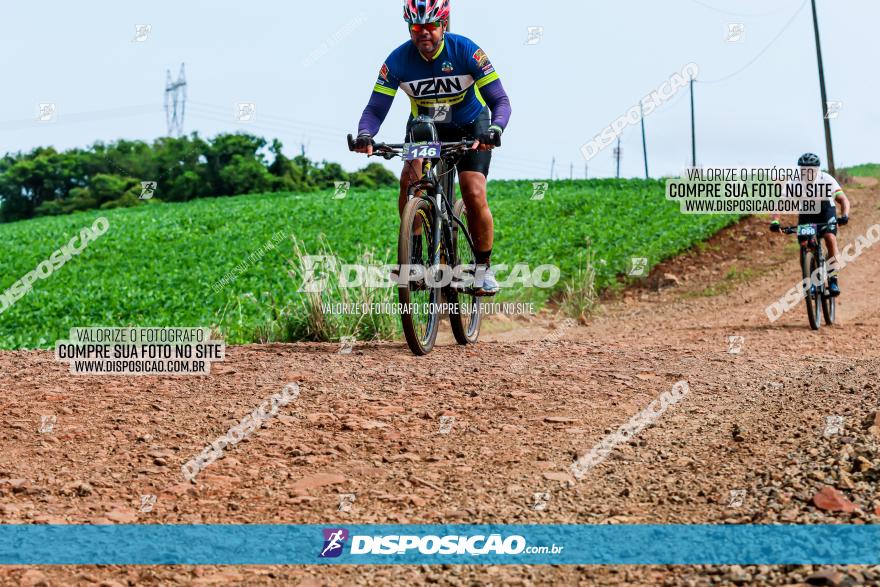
(449, 78)
(811, 174)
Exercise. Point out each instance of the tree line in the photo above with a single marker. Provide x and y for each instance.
(45, 181)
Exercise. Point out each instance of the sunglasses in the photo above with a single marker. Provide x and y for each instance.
(431, 26)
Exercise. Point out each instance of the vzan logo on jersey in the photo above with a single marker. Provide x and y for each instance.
(449, 85)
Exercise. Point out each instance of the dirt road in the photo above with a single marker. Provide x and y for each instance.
(470, 435)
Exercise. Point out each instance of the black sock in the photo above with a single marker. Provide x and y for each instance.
(483, 258)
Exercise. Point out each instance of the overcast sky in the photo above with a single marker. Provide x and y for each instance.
(594, 61)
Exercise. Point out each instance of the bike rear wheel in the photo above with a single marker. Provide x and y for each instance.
(419, 302)
(809, 264)
(466, 321)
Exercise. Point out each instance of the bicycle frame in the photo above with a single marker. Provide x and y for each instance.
(813, 244)
(442, 203)
(430, 215)
(431, 188)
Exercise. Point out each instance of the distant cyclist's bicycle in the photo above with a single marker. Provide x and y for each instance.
(435, 251)
(814, 262)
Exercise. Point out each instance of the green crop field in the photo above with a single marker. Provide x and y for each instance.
(864, 170)
(160, 264)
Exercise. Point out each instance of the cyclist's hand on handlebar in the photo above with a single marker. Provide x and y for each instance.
(843, 220)
(489, 139)
(775, 226)
(364, 144)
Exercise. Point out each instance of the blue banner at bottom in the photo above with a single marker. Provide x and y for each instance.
(458, 544)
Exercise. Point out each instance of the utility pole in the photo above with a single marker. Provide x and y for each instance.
(644, 142)
(586, 171)
(571, 171)
(617, 155)
(693, 129)
(829, 150)
(552, 168)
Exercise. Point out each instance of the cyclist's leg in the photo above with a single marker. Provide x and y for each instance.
(412, 172)
(473, 171)
(831, 245)
(829, 235)
(479, 216)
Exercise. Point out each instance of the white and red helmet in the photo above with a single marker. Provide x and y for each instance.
(425, 11)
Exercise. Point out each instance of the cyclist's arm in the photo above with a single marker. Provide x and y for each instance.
(489, 85)
(498, 103)
(840, 197)
(844, 202)
(380, 102)
(374, 114)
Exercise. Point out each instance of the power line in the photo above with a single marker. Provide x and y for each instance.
(764, 50)
(215, 111)
(731, 13)
(223, 111)
(90, 116)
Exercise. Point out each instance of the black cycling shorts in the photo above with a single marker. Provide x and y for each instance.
(827, 212)
(473, 160)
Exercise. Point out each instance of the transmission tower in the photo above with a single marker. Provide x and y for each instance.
(175, 102)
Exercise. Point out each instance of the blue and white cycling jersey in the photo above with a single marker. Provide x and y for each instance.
(446, 88)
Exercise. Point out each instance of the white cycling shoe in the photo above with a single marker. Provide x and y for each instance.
(484, 281)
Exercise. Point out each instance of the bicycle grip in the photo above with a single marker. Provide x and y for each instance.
(350, 143)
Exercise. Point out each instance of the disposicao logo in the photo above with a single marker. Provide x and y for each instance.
(334, 541)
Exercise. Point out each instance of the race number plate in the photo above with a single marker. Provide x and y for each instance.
(422, 151)
(807, 230)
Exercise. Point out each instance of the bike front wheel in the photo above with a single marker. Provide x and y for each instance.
(419, 301)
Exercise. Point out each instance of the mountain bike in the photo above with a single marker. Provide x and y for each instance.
(814, 261)
(435, 251)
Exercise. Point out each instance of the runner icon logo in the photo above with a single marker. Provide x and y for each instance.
(334, 541)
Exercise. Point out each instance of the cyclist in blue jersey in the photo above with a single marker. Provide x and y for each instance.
(449, 78)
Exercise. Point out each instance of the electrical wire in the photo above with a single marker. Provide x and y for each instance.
(78, 117)
(761, 53)
(731, 13)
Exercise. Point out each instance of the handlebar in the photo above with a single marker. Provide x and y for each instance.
(391, 150)
(793, 229)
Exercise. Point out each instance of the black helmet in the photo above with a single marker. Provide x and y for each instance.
(809, 160)
(423, 129)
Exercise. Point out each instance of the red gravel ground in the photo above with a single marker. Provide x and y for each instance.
(526, 402)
